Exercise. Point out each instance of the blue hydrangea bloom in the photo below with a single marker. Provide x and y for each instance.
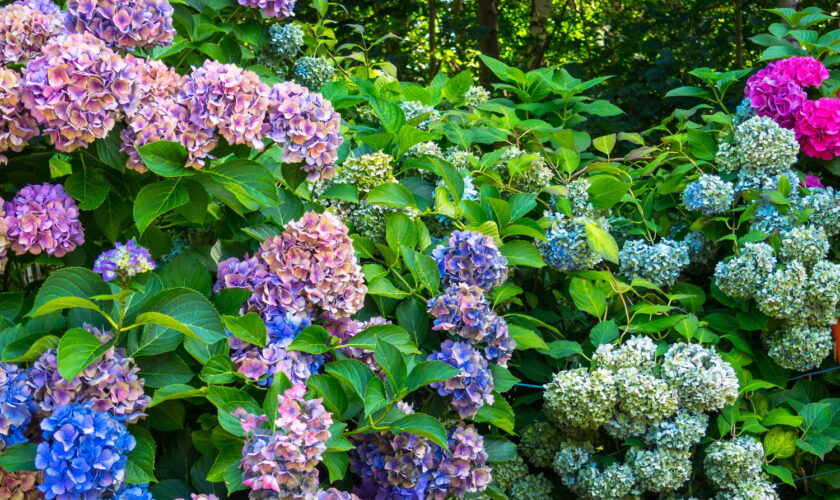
(84, 452)
(743, 112)
(661, 264)
(709, 194)
(471, 258)
(285, 40)
(313, 72)
(567, 248)
(473, 387)
(133, 492)
(16, 404)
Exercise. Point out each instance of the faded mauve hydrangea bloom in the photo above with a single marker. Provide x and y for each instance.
(471, 388)
(16, 404)
(43, 218)
(283, 464)
(775, 95)
(124, 260)
(307, 127)
(110, 384)
(124, 24)
(158, 120)
(818, 128)
(153, 81)
(314, 258)
(24, 30)
(805, 71)
(20, 485)
(345, 329)
(473, 259)
(17, 126)
(84, 453)
(278, 9)
(75, 88)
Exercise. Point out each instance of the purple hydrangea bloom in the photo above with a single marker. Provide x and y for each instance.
(775, 95)
(278, 9)
(45, 6)
(283, 463)
(473, 259)
(471, 388)
(43, 218)
(16, 404)
(464, 311)
(84, 452)
(127, 25)
(124, 260)
(24, 30)
(345, 329)
(76, 88)
(110, 384)
(17, 126)
(158, 120)
(307, 127)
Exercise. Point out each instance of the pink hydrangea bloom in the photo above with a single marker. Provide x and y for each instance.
(24, 30)
(805, 71)
(307, 127)
(775, 95)
(43, 218)
(158, 120)
(818, 128)
(201, 496)
(17, 126)
(4, 241)
(153, 81)
(75, 88)
(314, 258)
(124, 24)
(278, 9)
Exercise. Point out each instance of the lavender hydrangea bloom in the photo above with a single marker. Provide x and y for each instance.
(84, 452)
(43, 218)
(45, 6)
(24, 30)
(471, 388)
(127, 25)
(124, 260)
(80, 103)
(473, 259)
(307, 127)
(464, 311)
(235, 273)
(16, 404)
(345, 329)
(110, 384)
(283, 463)
(17, 126)
(159, 120)
(278, 9)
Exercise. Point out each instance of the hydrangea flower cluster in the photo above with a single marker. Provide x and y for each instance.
(538, 443)
(735, 467)
(473, 259)
(825, 204)
(615, 481)
(43, 218)
(464, 311)
(110, 384)
(533, 487)
(285, 40)
(660, 263)
(370, 220)
(277, 9)
(131, 492)
(475, 96)
(413, 109)
(16, 404)
(124, 260)
(17, 126)
(659, 470)
(703, 380)
(20, 485)
(775, 95)
(24, 30)
(126, 25)
(580, 398)
(534, 177)
(506, 474)
(473, 387)
(366, 172)
(709, 194)
(818, 128)
(284, 462)
(313, 72)
(806, 244)
(760, 147)
(799, 347)
(428, 148)
(743, 275)
(84, 453)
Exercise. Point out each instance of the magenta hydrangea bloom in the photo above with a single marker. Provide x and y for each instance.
(75, 88)
(201, 496)
(278, 9)
(43, 218)
(471, 388)
(805, 71)
(24, 30)
(812, 181)
(124, 260)
(314, 258)
(471, 258)
(775, 95)
(818, 128)
(17, 126)
(464, 311)
(124, 24)
(110, 384)
(307, 127)
(283, 463)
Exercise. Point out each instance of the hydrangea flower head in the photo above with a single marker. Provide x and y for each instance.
(285, 40)
(80, 103)
(761, 147)
(660, 263)
(709, 194)
(17, 126)
(471, 258)
(158, 120)
(799, 347)
(806, 244)
(775, 95)
(126, 260)
(45, 6)
(277, 9)
(805, 71)
(636, 352)
(818, 128)
(24, 30)
(475, 96)
(616, 481)
(235, 273)
(660, 470)
(84, 452)
(507, 473)
(307, 127)
(580, 398)
(680, 432)
(20, 485)
(126, 25)
(471, 388)
(534, 487)
(366, 172)
(153, 83)
(132, 492)
(538, 443)
(43, 218)
(643, 397)
(414, 109)
(313, 72)
(570, 458)
(703, 380)
(745, 274)
(735, 464)
(825, 204)
(16, 404)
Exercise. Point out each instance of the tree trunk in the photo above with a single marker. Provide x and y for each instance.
(540, 10)
(432, 39)
(488, 18)
(739, 34)
(790, 4)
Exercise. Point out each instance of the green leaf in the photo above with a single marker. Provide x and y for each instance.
(344, 192)
(400, 230)
(230, 300)
(526, 338)
(165, 158)
(392, 334)
(250, 328)
(601, 241)
(816, 416)
(452, 179)
(176, 391)
(59, 166)
(88, 187)
(314, 340)
(702, 145)
(424, 268)
(605, 144)
(522, 253)
(156, 199)
(156, 318)
(587, 297)
(72, 282)
(29, 347)
(499, 414)
(499, 449)
(606, 190)
(61, 303)
(228, 400)
(688, 92)
(250, 182)
(422, 425)
(186, 271)
(393, 363)
(781, 472)
(384, 287)
(278, 386)
(141, 460)
(163, 370)
(77, 349)
(336, 463)
(426, 372)
(604, 332)
(780, 442)
(353, 373)
(503, 380)
(457, 86)
(781, 416)
(561, 349)
(220, 370)
(391, 194)
(375, 398)
(817, 444)
(330, 390)
(18, 457)
(389, 113)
